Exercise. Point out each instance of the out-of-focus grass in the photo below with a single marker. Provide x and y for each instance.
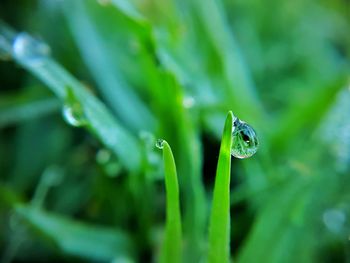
(172, 69)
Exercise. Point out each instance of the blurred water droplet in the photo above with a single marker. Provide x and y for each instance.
(160, 143)
(29, 50)
(147, 138)
(334, 219)
(244, 140)
(103, 156)
(108, 162)
(188, 102)
(72, 110)
(53, 176)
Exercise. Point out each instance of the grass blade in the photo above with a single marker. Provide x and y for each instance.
(75, 238)
(172, 248)
(28, 110)
(219, 227)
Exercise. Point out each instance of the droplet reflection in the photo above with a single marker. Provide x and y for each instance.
(244, 140)
(73, 112)
(334, 219)
(160, 143)
(29, 50)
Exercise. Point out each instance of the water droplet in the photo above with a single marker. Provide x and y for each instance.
(188, 102)
(30, 50)
(244, 140)
(72, 111)
(73, 116)
(334, 219)
(103, 156)
(160, 143)
(147, 138)
(108, 162)
(52, 176)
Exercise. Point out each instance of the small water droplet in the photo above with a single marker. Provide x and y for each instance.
(188, 102)
(72, 111)
(73, 116)
(147, 138)
(334, 219)
(29, 49)
(108, 162)
(160, 143)
(103, 156)
(244, 140)
(52, 176)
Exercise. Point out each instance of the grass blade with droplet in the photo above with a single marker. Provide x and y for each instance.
(172, 248)
(219, 226)
(100, 120)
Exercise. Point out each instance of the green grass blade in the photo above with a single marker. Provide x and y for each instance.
(23, 111)
(74, 238)
(180, 128)
(172, 248)
(219, 227)
(110, 132)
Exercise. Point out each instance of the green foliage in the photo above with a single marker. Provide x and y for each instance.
(136, 70)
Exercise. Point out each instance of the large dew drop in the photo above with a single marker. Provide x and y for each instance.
(244, 140)
(73, 115)
(30, 50)
(160, 143)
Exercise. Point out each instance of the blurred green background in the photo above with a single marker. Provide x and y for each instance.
(172, 69)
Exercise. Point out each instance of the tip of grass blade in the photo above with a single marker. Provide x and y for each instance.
(172, 248)
(219, 226)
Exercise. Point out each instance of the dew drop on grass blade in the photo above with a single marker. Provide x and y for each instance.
(172, 249)
(219, 226)
(238, 139)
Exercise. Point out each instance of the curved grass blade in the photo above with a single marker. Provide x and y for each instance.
(172, 248)
(182, 132)
(219, 226)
